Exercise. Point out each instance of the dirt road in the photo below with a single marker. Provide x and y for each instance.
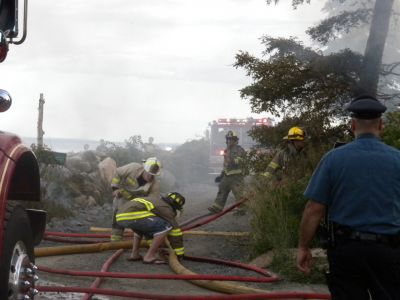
(199, 197)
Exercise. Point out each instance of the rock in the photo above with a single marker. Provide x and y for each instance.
(85, 201)
(86, 161)
(77, 164)
(107, 168)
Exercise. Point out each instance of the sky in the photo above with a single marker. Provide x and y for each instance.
(111, 69)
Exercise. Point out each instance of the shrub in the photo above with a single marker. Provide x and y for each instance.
(276, 210)
(391, 133)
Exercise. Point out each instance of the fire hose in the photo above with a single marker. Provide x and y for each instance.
(202, 280)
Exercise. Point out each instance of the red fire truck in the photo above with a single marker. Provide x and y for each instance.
(218, 130)
(20, 226)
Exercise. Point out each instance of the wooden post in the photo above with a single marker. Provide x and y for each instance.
(40, 131)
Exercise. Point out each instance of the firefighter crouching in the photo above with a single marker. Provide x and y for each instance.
(231, 178)
(131, 181)
(154, 218)
(359, 185)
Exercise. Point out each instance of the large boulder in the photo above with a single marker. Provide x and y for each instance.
(107, 168)
(86, 161)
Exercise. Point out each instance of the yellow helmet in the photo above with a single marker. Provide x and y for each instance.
(295, 134)
(153, 166)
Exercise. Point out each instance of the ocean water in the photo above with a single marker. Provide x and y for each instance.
(64, 145)
(78, 145)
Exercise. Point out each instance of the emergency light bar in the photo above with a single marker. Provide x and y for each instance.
(261, 121)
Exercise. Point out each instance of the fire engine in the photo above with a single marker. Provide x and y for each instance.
(218, 130)
(21, 227)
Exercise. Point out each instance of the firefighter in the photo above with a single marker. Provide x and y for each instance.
(231, 177)
(154, 218)
(295, 143)
(131, 181)
(359, 185)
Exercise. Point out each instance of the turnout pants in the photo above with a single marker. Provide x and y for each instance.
(116, 230)
(362, 269)
(229, 183)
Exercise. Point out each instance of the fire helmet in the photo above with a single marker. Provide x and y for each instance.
(295, 134)
(152, 165)
(175, 199)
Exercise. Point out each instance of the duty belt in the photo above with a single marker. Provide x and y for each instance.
(367, 236)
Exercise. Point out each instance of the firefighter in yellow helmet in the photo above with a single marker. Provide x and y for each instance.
(153, 217)
(131, 181)
(231, 178)
(295, 143)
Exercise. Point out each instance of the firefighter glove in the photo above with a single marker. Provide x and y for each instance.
(218, 179)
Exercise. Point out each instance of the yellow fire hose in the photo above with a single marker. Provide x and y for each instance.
(190, 232)
(84, 248)
(222, 287)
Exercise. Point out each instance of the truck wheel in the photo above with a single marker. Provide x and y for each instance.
(17, 271)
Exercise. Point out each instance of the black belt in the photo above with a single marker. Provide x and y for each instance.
(373, 237)
(367, 236)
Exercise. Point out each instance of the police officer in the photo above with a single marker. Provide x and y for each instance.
(359, 185)
(231, 178)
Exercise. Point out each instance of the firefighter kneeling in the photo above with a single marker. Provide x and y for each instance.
(154, 218)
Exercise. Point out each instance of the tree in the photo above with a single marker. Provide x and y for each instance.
(301, 83)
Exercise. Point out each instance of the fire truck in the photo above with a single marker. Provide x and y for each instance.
(21, 227)
(218, 130)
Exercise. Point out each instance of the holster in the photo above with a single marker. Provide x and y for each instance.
(326, 233)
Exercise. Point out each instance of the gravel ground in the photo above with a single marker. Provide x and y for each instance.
(199, 197)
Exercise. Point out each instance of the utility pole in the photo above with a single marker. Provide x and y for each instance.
(40, 131)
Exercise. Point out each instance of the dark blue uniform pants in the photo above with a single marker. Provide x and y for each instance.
(359, 269)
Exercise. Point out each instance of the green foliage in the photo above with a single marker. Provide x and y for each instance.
(334, 26)
(295, 3)
(296, 81)
(284, 261)
(51, 183)
(276, 217)
(391, 133)
(277, 208)
(123, 155)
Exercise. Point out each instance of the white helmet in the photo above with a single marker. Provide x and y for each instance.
(153, 166)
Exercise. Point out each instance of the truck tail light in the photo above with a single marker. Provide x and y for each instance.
(3, 47)
(3, 52)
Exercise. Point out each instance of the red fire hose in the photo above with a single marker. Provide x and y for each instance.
(269, 277)
(277, 295)
(105, 268)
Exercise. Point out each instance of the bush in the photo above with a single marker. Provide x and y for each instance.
(391, 133)
(277, 208)
(276, 216)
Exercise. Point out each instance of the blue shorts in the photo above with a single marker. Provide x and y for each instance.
(148, 227)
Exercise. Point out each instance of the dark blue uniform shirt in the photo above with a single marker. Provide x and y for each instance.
(360, 184)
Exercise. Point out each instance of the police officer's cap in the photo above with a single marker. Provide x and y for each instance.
(366, 107)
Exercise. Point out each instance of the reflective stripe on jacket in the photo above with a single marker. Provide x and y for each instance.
(126, 180)
(232, 159)
(135, 209)
(280, 161)
(154, 206)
